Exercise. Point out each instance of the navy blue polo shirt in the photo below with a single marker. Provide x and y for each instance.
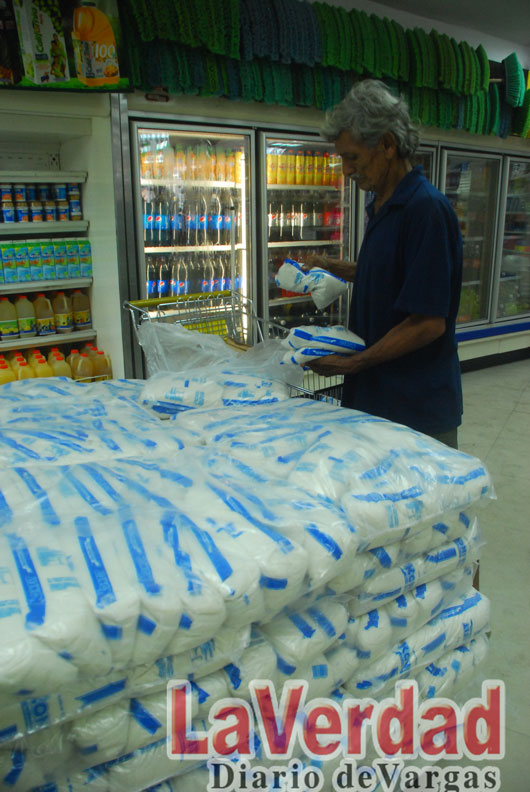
(410, 262)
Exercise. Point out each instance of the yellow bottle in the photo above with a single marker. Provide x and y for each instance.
(62, 309)
(231, 166)
(291, 167)
(326, 170)
(44, 315)
(179, 170)
(102, 369)
(299, 167)
(24, 371)
(71, 358)
(96, 58)
(6, 374)
(84, 368)
(60, 367)
(42, 368)
(282, 168)
(51, 353)
(17, 359)
(272, 167)
(308, 168)
(318, 163)
(220, 168)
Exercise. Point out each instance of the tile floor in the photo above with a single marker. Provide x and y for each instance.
(496, 428)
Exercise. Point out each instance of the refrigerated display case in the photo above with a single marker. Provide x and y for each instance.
(192, 210)
(306, 209)
(513, 288)
(471, 182)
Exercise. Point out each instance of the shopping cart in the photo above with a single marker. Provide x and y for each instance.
(231, 316)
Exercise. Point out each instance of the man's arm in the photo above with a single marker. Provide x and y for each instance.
(342, 269)
(412, 333)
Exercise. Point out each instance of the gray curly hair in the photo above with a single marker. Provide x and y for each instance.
(368, 112)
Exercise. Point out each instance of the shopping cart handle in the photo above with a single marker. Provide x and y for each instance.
(154, 302)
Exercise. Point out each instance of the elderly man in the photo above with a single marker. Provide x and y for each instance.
(408, 275)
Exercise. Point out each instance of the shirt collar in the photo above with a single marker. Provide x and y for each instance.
(405, 189)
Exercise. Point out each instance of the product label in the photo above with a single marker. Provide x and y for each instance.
(64, 323)
(22, 213)
(72, 257)
(61, 264)
(48, 261)
(82, 320)
(9, 328)
(22, 262)
(45, 326)
(62, 212)
(85, 258)
(8, 212)
(1, 274)
(9, 264)
(26, 326)
(35, 263)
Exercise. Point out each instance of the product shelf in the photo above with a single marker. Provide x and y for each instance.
(305, 243)
(42, 286)
(191, 248)
(187, 183)
(306, 187)
(49, 340)
(8, 230)
(43, 177)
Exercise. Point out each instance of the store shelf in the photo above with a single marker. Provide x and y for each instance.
(191, 248)
(306, 187)
(42, 286)
(221, 185)
(48, 340)
(305, 243)
(43, 177)
(9, 230)
(288, 300)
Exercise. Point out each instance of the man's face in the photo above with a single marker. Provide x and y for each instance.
(368, 167)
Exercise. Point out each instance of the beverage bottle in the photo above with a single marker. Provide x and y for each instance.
(227, 270)
(94, 43)
(41, 367)
(335, 170)
(151, 282)
(226, 205)
(291, 167)
(101, 368)
(296, 227)
(81, 310)
(195, 209)
(272, 166)
(24, 371)
(183, 283)
(188, 223)
(44, 319)
(304, 220)
(168, 160)
(202, 222)
(72, 359)
(230, 165)
(281, 177)
(149, 223)
(317, 167)
(191, 164)
(83, 368)
(337, 220)
(215, 220)
(220, 168)
(211, 166)
(179, 169)
(308, 168)
(272, 221)
(8, 320)
(164, 276)
(299, 167)
(327, 216)
(208, 274)
(219, 282)
(282, 229)
(326, 170)
(27, 325)
(317, 220)
(60, 367)
(62, 309)
(53, 351)
(162, 219)
(6, 374)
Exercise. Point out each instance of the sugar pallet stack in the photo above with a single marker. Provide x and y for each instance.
(286, 541)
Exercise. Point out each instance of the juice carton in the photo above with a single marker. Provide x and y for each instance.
(47, 258)
(35, 262)
(8, 262)
(22, 262)
(61, 263)
(94, 42)
(41, 41)
(85, 258)
(1, 271)
(72, 258)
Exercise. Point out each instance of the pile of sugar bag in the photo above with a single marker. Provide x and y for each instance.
(276, 541)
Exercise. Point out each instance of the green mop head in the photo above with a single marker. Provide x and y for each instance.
(495, 109)
(514, 80)
(521, 121)
(484, 67)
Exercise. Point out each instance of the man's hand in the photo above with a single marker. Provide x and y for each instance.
(342, 269)
(331, 365)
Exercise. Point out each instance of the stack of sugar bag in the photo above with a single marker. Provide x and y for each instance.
(309, 343)
(278, 541)
(323, 287)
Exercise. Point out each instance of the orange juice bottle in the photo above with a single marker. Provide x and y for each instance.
(8, 320)
(44, 315)
(326, 170)
(202, 163)
(62, 310)
(179, 168)
(272, 166)
(282, 168)
(60, 367)
(299, 167)
(96, 58)
(220, 167)
(84, 368)
(231, 165)
(42, 368)
(53, 351)
(6, 374)
(211, 168)
(191, 163)
(308, 168)
(24, 371)
(318, 163)
(291, 167)
(101, 366)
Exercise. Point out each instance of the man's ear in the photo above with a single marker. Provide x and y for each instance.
(389, 145)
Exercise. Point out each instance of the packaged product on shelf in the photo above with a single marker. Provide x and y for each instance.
(36, 212)
(41, 367)
(74, 209)
(81, 310)
(1, 270)
(47, 258)
(19, 191)
(8, 211)
(272, 166)
(60, 192)
(25, 317)
(43, 192)
(6, 374)
(72, 258)
(61, 263)
(42, 42)
(101, 366)
(50, 211)
(84, 368)
(63, 214)
(35, 261)
(6, 192)
(60, 367)
(85, 258)
(8, 320)
(62, 309)
(72, 360)
(21, 212)
(31, 192)
(22, 262)
(44, 316)
(9, 264)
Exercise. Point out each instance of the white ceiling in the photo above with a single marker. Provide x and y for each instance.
(505, 19)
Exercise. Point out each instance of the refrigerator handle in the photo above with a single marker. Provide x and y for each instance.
(233, 246)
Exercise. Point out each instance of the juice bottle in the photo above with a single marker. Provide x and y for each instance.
(42, 368)
(60, 367)
(62, 309)
(212, 163)
(318, 162)
(32, 355)
(24, 371)
(308, 168)
(84, 367)
(44, 318)
(191, 163)
(231, 165)
(202, 163)
(299, 167)
(25, 316)
(101, 366)
(6, 374)
(72, 358)
(94, 44)
(220, 168)
(8, 320)
(179, 169)
(53, 351)
(291, 168)
(272, 166)
(326, 170)
(81, 311)
(281, 177)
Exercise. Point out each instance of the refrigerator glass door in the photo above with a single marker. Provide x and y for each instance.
(307, 211)
(471, 182)
(194, 210)
(514, 284)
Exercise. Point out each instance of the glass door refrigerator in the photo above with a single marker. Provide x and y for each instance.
(512, 297)
(305, 208)
(193, 218)
(471, 181)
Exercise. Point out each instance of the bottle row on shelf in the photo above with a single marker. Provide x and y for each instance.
(311, 218)
(176, 275)
(194, 217)
(87, 363)
(309, 168)
(25, 318)
(24, 203)
(220, 161)
(45, 259)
